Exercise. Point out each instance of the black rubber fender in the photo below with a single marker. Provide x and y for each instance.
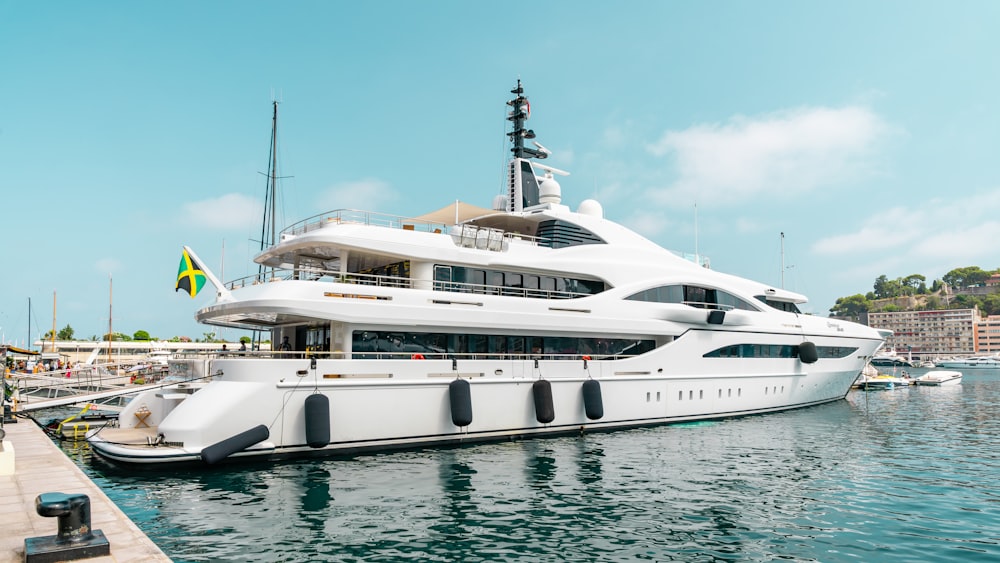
(225, 448)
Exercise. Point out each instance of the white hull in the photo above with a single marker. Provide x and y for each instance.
(393, 404)
(939, 378)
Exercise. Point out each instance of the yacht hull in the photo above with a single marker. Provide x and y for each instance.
(380, 405)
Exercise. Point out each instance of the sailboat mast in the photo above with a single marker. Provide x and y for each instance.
(267, 239)
(53, 334)
(274, 170)
(111, 335)
(268, 226)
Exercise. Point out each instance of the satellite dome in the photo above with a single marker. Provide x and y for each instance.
(591, 207)
(549, 190)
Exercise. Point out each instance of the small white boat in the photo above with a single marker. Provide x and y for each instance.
(939, 377)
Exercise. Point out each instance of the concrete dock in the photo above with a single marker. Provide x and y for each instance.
(41, 467)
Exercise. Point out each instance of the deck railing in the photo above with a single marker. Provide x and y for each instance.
(359, 217)
(371, 280)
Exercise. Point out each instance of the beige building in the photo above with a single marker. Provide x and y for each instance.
(930, 334)
(988, 335)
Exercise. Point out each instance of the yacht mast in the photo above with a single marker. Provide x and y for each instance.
(521, 182)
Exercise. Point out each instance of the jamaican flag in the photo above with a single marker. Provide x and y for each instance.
(190, 276)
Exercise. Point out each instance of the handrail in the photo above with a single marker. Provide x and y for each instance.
(360, 217)
(317, 274)
(425, 355)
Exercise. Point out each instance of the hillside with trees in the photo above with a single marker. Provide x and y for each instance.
(961, 288)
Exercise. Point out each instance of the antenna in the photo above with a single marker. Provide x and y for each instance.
(782, 259)
(697, 258)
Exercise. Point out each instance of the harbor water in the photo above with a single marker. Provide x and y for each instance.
(900, 475)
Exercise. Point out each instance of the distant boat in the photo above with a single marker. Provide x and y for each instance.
(988, 362)
(890, 361)
(939, 378)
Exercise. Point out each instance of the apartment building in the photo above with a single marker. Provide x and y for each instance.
(988, 335)
(930, 334)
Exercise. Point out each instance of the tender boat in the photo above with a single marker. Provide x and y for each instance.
(939, 377)
(471, 324)
(882, 381)
(978, 362)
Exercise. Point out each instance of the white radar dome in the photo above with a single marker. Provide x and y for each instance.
(549, 191)
(591, 207)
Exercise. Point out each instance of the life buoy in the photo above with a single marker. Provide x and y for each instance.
(417, 357)
(586, 358)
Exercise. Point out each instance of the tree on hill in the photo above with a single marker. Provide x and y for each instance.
(964, 277)
(932, 303)
(852, 307)
(916, 283)
(990, 304)
(886, 288)
(913, 284)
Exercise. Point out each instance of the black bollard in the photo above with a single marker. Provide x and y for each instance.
(75, 539)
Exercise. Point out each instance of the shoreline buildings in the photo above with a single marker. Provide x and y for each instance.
(938, 333)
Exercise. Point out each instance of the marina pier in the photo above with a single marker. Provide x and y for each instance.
(40, 467)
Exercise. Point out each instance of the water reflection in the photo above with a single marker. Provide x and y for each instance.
(904, 475)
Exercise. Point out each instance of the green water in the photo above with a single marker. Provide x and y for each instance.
(902, 475)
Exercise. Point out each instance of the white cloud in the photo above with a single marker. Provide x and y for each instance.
(886, 230)
(230, 211)
(746, 226)
(108, 265)
(369, 193)
(930, 237)
(648, 223)
(768, 156)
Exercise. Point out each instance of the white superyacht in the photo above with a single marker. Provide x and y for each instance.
(470, 324)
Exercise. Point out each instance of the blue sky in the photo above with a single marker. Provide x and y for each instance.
(865, 131)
